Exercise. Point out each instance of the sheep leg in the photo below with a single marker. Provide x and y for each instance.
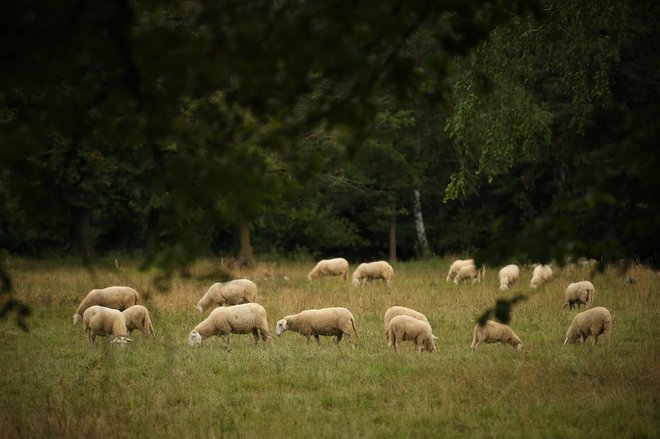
(338, 337)
(226, 337)
(307, 336)
(255, 334)
(595, 339)
(318, 341)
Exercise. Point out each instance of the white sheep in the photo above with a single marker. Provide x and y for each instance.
(335, 322)
(494, 332)
(468, 272)
(540, 275)
(330, 267)
(594, 321)
(112, 297)
(403, 327)
(102, 321)
(579, 293)
(373, 270)
(233, 292)
(137, 317)
(456, 266)
(508, 276)
(395, 311)
(237, 319)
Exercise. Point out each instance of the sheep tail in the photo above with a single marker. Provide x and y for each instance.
(354, 328)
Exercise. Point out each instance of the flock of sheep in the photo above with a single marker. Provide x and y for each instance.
(115, 310)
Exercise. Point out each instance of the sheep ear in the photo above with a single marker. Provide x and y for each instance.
(434, 337)
(284, 324)
(128, 339)
(565, 341)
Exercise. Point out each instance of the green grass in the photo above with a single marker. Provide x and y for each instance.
(54, 384)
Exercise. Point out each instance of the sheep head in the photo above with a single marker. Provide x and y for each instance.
(281, 327)
(194, 339)
(121, 341)
(77, 318)
(198, 308)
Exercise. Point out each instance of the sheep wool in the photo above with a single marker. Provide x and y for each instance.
(373, 270)
(237, 319)
(595, 321)
(540, 275)
(470, 272)
(508, 276)
(234, 292)
(137, 317)
(456, 266)
(335, 322)
(395, 311)
(403, 327)
(579, 293)
(102, 321)
(330, 267)
(494, 332)
(112, 297)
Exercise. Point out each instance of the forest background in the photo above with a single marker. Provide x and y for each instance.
(513, 130)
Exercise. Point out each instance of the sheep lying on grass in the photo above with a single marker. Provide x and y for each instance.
(540, 275)
(400, 311)
(493, 332)
(470, 272)
(233, 292)
(373, 270)
(508, 276)
(579, 293)
(335, 322)
(102, 321)
(330, 267)
(137, 317)
(403, 327)
(456, 266)
(112, 297)
(594, 321)
(237, 319)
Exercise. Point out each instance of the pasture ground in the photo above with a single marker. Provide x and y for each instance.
(55, 384)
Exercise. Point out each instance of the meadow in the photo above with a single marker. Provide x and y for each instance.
(54, 384)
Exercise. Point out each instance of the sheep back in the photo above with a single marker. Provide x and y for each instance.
(395, 311)
(579, 293)
(107, 321)
(494, 332)
(234, 292)
(137, 317)
(404, 327)
(235, 319)
(326, 321)
(330, 267)
(373, 270)
(540, 275)
(508, 276)
(456, 266)
(111, 297)
(594, 321)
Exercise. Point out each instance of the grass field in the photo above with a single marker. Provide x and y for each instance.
(54, 384)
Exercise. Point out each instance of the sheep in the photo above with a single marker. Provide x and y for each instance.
(404, 328)
(594, 321)
(330, 267)
(493, 332)
(470, 272)
(233, 292)
(373, 270)
(540, 275)
(456, 267)
(315, 322)
(237, 319)
(137, 317)
(102, 321)
(399, 311)
(579, 293)
(508, 276)
(112, 297)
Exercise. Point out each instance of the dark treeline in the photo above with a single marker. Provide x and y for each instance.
(523, 130)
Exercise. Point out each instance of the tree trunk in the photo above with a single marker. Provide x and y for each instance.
(419, 225)
(151, 234)
(80, 232)
(245, 254)
(393, 237)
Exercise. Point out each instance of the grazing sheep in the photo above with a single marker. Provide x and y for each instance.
(373, 270)
(579, 293)
(400, 311)
(137, 317)
(237, 319)
(233, 292)
(456, 267)
(540, 275)
(508, 276)
(112, 297)
(468, 272)
(102, 321)
(404, 328)
(493, 332)
(594, 321)
(330, 267)
(315, 322)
